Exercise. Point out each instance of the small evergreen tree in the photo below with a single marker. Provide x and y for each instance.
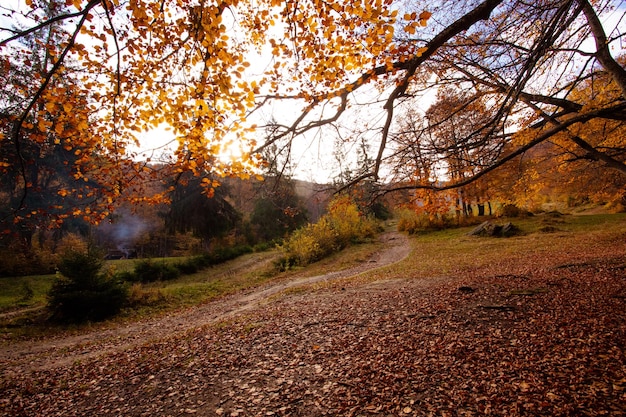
(83, 292)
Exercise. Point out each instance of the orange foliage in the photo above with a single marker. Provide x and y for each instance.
(137, 65)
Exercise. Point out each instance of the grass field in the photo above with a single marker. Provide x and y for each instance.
(434, 254)
(452, 251)
(30, 291)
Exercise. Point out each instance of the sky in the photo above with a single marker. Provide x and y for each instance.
(313, 154)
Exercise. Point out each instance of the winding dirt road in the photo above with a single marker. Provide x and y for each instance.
(52, 353)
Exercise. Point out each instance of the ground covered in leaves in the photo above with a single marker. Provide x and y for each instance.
(531, 337)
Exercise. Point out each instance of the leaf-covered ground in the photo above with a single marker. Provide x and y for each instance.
(537, 335)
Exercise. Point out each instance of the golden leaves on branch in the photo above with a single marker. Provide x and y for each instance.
(416, 21)
(334, 43)
(142, 64)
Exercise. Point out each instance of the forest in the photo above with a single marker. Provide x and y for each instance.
(428, 107)
(160, 155)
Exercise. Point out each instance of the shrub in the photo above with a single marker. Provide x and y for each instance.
(192, 265)
(150, 271)
(511, 210)
(412, 222)
(219, 255)
(82, 292)
(19, 261)
(349, 223)
(140, 296)
(344, 224)
(227, 253)
(309, 244)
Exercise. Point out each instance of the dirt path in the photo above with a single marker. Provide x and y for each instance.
(63, 351)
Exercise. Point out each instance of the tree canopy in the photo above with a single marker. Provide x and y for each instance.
(88, 77)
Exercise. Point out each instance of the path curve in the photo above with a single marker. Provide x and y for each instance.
(62, 351)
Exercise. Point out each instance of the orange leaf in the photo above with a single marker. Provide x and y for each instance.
(425, 15)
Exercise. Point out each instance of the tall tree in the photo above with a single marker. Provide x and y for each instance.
(191, 211)
(39, 179)
(278, 209)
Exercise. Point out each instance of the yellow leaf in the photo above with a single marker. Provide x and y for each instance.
(421, 51)
(425, 15)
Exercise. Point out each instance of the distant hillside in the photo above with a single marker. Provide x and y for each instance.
(243, 194)
(315, 196)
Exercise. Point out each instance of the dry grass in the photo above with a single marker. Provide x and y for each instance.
(453, 252)
(434, 255)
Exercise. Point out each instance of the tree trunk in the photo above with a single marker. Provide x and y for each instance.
(467, 209)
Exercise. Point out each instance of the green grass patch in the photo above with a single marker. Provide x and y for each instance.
(31, 290)
(208, 284)
(126, 265)
(435, 254)
(24, 292)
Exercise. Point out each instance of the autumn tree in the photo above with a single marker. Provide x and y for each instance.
(278, 209)
(191, 211)
(37, 168)
(521, 61)
(142, 64)
(570, 173)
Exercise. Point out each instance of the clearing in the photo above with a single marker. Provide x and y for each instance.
(528, 325)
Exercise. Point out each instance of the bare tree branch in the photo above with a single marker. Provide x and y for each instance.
(562, 126)
(51, 21)
(603, 54)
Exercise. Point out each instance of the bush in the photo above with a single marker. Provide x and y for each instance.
(412, 222)
(192, 265)
(138, 296)
(350, 224)
(227, 253)
(218, 256)
(309, 244)
(415, 222)
(344, 224)
(82, 292)
(150, 271)
(511, 210)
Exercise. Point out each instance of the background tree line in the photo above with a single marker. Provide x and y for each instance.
(445, 103)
